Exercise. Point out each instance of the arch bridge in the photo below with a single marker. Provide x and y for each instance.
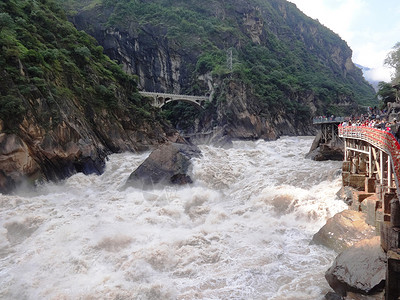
(372, 168)
(160, 99)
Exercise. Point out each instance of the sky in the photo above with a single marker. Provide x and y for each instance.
(370, 27)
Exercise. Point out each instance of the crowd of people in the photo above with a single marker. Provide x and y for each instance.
(375, 121)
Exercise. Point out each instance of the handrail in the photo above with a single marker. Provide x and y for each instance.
(191, 97)
(383, 140)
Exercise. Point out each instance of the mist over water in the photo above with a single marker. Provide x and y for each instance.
(241, 231)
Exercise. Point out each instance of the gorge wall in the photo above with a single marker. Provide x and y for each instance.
(64, 105)
(286, 67)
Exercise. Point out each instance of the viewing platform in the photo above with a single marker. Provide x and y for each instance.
(328, 120)
(371, 168)
(329, 128)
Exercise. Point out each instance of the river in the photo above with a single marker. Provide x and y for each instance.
(241, 231)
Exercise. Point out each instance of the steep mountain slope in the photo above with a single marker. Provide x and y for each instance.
(269, 67)
(64, 105)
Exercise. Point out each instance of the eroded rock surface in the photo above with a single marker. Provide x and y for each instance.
(359, 269)
(168, 164)
(343, 230)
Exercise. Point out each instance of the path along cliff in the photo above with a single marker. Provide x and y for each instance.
(370, 175)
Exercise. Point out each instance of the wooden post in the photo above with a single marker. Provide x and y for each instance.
(370, 161)
(381, 165)
(389, 173)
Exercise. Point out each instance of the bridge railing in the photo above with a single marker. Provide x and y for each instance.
(383, 140)
(190, 97)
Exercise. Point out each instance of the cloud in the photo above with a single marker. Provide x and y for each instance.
(378, 74)
(368, 27)
(338, 15)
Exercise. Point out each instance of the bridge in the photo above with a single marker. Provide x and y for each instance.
(160, 99)
(371, 167)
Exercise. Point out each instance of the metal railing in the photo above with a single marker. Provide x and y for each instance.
(174, 96)
(383, 140)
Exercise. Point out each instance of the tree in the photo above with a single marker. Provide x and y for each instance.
(393, 60)
(386, 92)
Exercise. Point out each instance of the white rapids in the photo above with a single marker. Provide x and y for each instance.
(241, 231)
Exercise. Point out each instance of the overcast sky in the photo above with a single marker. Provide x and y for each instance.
(370, 27)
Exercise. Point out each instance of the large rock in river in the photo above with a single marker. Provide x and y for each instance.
(319, 151)
(360, 269)
(168, 164)
(343, 230)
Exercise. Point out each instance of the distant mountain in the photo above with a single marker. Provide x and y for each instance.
(366, 72)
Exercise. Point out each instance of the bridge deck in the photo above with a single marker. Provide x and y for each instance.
(160, 99)
(174, 96)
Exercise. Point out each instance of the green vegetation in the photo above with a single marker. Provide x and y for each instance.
(386, 92)
(281, 59)
(46, 65)
(288, 62)
(393, 60)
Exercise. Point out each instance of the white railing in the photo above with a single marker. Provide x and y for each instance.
(383, 140)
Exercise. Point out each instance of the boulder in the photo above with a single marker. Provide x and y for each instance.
(326, 152)
(346, 194)
(168, 164)
(360, 269)
(343, 230)
(355, 296)
(333, 296)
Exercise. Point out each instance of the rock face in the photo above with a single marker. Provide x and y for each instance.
(343, 230)
(165, 63)
(168, 164)
(73, 146)
(64, 110)
(360, 269)
(244, 121)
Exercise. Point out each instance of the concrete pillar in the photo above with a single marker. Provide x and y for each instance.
(370, 185)
(392, 289)
(395, 212)
(346, 166)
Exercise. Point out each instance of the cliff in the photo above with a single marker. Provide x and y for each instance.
(64, 105)
(268, 67)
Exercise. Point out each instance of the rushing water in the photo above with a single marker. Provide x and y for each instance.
(241, 231)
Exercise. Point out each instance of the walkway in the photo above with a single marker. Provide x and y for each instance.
(384, 142)
(372, 168)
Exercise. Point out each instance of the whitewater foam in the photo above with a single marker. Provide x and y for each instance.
(241, 231)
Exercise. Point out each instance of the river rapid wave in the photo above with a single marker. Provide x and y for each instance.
(241, 231)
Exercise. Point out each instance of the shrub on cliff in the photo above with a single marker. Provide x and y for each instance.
(294, 66)
(43, 56)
